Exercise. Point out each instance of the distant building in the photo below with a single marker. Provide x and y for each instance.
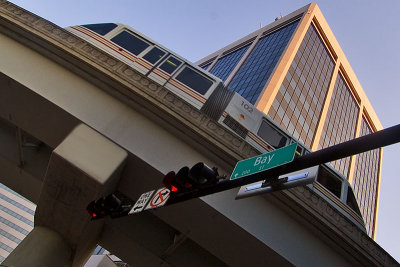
(295, 71)
(16, 220)
(102, 257)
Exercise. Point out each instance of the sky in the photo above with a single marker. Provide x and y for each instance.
(367, 31)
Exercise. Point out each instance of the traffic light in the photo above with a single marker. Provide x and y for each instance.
(202, 175)
(186, 180)
(104, 206)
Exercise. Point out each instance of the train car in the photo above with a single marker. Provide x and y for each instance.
(164, 67)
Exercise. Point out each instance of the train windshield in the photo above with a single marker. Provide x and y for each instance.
(101, 28)
(271, 135)
(130, 42)
(194, 80)
(330, 181)
(352, 202)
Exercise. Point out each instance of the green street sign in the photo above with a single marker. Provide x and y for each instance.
(264, 162)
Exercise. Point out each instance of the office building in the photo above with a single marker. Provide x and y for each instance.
(16, 220)
(295, 71)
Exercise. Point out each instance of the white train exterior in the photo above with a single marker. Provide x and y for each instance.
(151, 59)
(207, 93)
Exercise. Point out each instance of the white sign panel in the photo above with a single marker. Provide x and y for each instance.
(298, 178)
(159, 198)
(141, 202)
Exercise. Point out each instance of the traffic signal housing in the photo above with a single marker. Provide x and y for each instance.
(106, 206)
(187, 180)
(202, 175)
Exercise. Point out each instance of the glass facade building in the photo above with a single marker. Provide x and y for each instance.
(225, 65)
(299, 101)
(295, 72)
(258, 66)
(366, 190)
(341, 121)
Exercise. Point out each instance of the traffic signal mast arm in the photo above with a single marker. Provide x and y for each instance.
(362, 144)
(200, 180)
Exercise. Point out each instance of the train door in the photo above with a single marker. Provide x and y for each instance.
(163, 71)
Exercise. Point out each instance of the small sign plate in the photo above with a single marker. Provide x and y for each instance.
(298, 178)
(141, 202)
(159, 199)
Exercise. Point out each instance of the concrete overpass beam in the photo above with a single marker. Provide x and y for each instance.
(85, 166)
(41, 247)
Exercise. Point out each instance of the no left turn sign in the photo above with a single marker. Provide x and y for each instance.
(159, 199)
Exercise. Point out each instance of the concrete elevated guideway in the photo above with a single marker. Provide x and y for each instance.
(77, 124)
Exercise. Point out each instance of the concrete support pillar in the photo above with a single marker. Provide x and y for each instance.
(41, 247)
(85, 166)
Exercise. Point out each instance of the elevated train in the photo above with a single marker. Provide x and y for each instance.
(207, 93)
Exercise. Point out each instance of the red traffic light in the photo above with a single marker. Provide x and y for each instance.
(178, 181)
(94, 210)
(104, 206)
(168, 181)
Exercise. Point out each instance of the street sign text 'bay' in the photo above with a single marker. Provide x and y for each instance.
(264, 162)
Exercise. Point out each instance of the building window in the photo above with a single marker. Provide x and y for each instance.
(5, 247)
(99, 250)
(299, 101)
(15, 193)
(341, 122)
(365, 182)
(205, 67)
(15, 203)
(226, 64)
(13, 225)
(255, 71)
(16, 215)
(10, 236)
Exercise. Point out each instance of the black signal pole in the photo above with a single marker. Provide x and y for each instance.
(362, 144)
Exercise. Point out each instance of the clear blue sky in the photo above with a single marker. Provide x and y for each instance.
(368, 32)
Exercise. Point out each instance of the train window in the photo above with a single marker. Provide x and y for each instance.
(271, 135)
(101, 28)
(299, 151)
(154, 55)
(329, 181)
(235, 126)
(170, 65)
(194, 80)
(130, 42)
